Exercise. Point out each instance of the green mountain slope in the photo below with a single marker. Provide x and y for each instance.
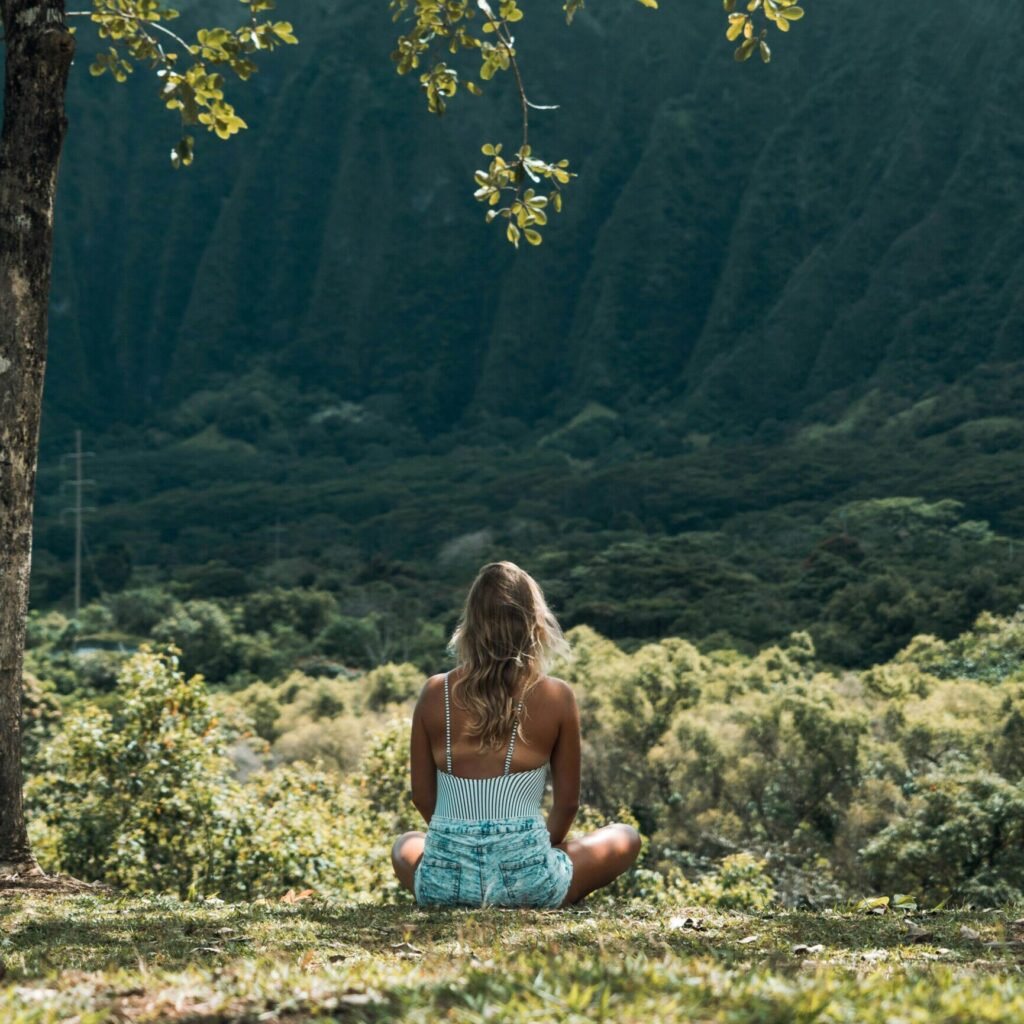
(777, 293)
(743, 242)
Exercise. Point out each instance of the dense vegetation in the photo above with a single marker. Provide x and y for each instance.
(638, 551)
(754, 778)
(744, 244)
(819, 846)
(690, 412)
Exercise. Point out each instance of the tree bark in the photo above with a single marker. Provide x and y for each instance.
(38, 55)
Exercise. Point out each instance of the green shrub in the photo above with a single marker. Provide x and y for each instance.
(392, 684)
(383, 778)
(206, 636)
(338, 742)
(138, 610)
(130, 795)
(144, 796)
(962, 838)
(307, 612)
(262, 705)
(739, 882)
(991, 651)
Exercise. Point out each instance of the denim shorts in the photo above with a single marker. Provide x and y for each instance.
(505, 862)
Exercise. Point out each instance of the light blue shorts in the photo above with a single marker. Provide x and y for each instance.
(504, 862)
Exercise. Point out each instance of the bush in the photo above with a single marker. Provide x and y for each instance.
(206, 636)
(962, 838)
(383, 778)
(305, 699)
(904, 775)
(337, 742)
(392, 684)
(131, 796)
(138, 610)
(740, 882)
(306, 611)
(143, 796)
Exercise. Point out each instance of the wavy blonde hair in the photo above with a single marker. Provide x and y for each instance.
(506, 636)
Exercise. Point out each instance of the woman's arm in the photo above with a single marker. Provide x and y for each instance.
(422, 771)
(565, 768)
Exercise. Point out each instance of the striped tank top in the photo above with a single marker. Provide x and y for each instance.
(509, 795)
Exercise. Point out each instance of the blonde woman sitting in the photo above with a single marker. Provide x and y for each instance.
(487, 842)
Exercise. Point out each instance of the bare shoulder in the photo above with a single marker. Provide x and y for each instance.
(559, 692)
(430, 687)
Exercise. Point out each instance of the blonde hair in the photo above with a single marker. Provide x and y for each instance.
(507, 635)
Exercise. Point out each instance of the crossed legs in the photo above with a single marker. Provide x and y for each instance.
(597, 858)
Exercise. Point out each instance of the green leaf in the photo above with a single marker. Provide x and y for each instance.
(283, 30)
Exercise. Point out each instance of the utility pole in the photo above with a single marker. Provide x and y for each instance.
(277, 530)
(77, 482)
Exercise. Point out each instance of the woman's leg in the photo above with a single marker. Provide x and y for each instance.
(405, 855)
(599, 858)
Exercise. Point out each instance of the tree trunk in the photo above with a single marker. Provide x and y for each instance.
(38, 55)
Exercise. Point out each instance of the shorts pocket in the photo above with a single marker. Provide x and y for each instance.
(438, 881)
(529, 882)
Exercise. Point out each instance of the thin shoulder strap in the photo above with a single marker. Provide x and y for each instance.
(512, 743)
(447, 727)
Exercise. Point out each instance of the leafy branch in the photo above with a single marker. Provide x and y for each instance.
(780, 13)
(447, 25)
(192, 85)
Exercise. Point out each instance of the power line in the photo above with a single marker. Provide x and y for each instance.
(78, 509)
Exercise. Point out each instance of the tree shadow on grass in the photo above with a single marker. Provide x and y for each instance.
(96, 933)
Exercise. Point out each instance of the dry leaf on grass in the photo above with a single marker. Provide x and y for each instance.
(291, 896)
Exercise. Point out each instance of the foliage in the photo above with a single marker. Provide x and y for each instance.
(992, 651)
(439, 26)
(40, 715)
(203, 632)
(780, 13)
(821, 773)
(962, 837)
(384, 777)
(390, 684)
(129, 795)
(192, 85)
(862, 577)
(144, 796)
(810, 783)
(739, 883)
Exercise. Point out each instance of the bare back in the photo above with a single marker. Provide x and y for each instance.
(549, 732)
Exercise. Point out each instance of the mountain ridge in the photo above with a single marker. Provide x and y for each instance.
(740, 244)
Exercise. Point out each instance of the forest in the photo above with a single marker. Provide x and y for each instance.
(755, 779)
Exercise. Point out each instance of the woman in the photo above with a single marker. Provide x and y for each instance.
(487, 842)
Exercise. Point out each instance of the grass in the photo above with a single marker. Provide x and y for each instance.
(94, 958)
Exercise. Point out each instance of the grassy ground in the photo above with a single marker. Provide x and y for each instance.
(92, 958)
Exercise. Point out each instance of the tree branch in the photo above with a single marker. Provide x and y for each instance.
(134, 17)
